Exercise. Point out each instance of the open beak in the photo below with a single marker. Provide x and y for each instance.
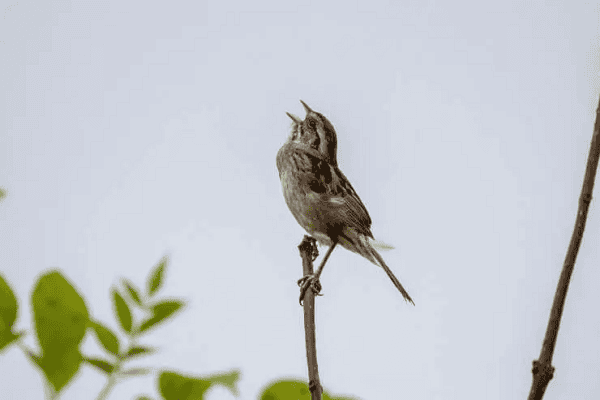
(295, 118)
(306, 107)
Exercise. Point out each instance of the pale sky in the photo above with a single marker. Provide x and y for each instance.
(133, 130)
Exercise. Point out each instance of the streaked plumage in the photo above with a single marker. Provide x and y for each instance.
(320, 196)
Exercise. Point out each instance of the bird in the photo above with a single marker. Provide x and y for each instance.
(321, 198)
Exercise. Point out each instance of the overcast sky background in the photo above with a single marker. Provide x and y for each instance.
(133, 130)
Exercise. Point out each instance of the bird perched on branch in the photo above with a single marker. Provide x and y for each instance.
(322, 199)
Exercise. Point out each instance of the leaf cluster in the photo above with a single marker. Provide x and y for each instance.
(62, 319)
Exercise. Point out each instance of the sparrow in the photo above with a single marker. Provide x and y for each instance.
(321, 198)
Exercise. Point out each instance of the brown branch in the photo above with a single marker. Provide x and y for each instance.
(542, 368)
(308, 252)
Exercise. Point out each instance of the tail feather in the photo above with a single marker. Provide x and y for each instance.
(378, 245)
(365, 246)
(389, 272)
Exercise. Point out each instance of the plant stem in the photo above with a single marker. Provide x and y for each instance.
(307, 248)
(112, 377)
(543, 370)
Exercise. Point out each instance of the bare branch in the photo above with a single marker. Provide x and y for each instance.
(542, 368)
(308, 248)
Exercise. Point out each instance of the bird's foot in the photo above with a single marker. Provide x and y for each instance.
(309, 282)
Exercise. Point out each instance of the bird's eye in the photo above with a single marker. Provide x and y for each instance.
(312, 123)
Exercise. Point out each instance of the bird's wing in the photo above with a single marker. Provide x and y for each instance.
(351, 208)
(332, 192)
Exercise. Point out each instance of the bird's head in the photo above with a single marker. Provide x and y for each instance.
(317, 132)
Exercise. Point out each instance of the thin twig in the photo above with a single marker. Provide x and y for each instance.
(114, 374)
(542, 368)
(308, 248)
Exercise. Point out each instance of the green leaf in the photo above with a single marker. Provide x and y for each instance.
(61, 319)
(138, 351)
(160, 312)
(292, 389)
(9, 337)
(60, 367)
(144, 398)
(133, 292)
(60, 314)
(8, 313)
(122, 311)
(228, 380)
(173, 386)
(165, 309)
(103, 365)
(107, 338)
(149, 323)
(287, 389)
(2, 193)
(156, 278)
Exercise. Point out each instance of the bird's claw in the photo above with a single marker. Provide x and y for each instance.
(309, 281)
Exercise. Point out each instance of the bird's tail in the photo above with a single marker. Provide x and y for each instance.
(365, 248)
(378, 245)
